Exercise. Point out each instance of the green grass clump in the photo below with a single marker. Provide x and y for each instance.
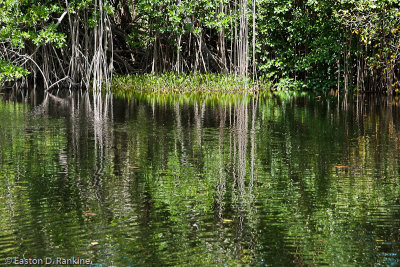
(172, 82)
(190, 98)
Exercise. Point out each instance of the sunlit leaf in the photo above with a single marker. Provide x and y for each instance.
(341, 167)
(133, 167)
(94, 243)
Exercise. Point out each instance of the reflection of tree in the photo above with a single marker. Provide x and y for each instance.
(300, 182)
(50, 172)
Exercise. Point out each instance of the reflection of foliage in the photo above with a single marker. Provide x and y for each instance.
(187, 176)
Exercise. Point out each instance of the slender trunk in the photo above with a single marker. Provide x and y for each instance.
(155, 55)
(178, 53)
(196, 61)
(221, 45)
(243, 39)
(254, 43)
(338, 74)
(236, 43)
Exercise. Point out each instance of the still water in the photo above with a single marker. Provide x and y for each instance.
(166, 181)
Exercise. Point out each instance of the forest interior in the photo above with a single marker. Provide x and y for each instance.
(292, 45)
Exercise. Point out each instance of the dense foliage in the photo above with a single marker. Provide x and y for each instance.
(304, 44)
(324, 44)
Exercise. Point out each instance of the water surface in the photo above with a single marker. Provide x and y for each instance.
(166, 181)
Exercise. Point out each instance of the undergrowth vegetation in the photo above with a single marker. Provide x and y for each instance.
(219, 89)
(199, 82)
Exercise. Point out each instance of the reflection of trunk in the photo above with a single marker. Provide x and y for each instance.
(221, 189)
(198, 118)
(241, 129)
(102, 137)
(252, 140)
(244, 198)
(250, 196)
(179, 129)
(240, 148)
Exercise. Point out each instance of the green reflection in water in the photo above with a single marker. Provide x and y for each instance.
(200, 181)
